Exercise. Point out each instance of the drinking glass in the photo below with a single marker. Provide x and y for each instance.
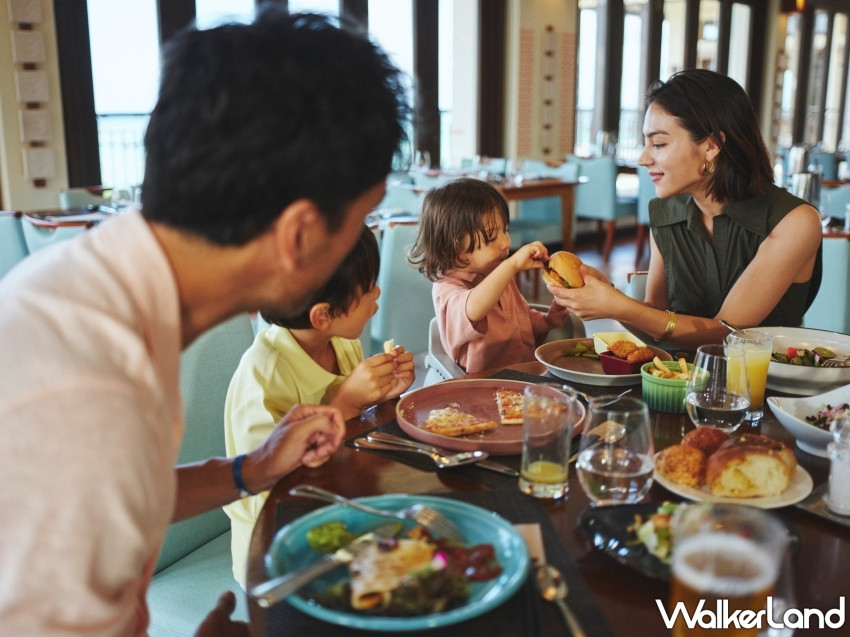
(615, 459)
(728, 554)
(717, 394)
(422, 161)
(548, 418)
(757, 347)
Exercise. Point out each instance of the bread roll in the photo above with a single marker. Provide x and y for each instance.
(682, 464)
(706, 439)
(750, 466)
(562, 270)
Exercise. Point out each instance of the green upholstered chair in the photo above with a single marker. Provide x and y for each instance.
(646, 192)
(405, 306)
(596, 198)
(540, 219)
(195, 564)
(13, 246)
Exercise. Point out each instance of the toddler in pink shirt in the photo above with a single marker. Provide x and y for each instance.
(463, 246)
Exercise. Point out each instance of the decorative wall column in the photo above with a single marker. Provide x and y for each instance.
(32, 166)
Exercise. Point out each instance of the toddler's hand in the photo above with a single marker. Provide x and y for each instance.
(557, 315)
(530, 256)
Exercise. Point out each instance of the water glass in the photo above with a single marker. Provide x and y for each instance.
(615, 459)
(548, 418)
(757, 347)
(732, 554)
(717, 394)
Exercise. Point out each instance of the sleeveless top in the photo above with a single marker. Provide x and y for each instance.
(700, 271)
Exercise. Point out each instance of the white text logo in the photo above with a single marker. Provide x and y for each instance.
(721, 617)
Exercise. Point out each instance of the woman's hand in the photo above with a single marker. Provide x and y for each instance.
(596, 299)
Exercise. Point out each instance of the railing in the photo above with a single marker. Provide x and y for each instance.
(122, 151)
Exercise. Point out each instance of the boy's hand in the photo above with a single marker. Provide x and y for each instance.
(529, 256)
(377, 378)
(404, 374)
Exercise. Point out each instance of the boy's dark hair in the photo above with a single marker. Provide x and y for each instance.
(252, 117)
(453, 214)
(710, 104)
(355, 276)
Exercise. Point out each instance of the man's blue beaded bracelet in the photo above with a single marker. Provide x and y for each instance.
(237, 476)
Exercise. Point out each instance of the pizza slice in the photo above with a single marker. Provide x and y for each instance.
(450, 421)
(509, 403)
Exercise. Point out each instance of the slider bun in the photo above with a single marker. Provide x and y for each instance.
(749, 466)
(706, 439)
(563, 270)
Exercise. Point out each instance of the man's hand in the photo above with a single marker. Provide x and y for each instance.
(218, 622)
(307, 435)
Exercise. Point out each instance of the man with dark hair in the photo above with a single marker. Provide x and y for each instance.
(269, 144)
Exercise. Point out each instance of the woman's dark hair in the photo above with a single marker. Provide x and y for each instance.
(253, 117)
(456, 216)
(355, 276)
(710, 104)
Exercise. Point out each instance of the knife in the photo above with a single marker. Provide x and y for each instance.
(274, 590)
(378, 436)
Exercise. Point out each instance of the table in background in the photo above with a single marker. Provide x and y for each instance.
(549, 187)
(625, 596)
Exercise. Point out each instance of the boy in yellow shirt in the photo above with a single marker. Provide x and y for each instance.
(312, 358)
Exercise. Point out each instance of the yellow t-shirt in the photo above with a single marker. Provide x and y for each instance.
(274, 375)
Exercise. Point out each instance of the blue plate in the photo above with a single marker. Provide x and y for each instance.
(289, 551)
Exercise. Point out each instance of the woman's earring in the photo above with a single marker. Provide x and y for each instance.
(708, 168)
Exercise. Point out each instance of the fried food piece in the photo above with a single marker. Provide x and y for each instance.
(640, 355)
(706, 439)
(682, 464)
(622, 349)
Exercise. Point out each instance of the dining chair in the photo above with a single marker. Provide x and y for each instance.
(540, 219)
(402, 196)
(646, 192)
(195, 564)
(13, 246)
(81, 197)
(405, 306)
(833, 201)
(830, 309)
(826, 162)
(441, 366)
(38, 237)
(597, 198)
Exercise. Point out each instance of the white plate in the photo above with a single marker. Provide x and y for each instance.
(585, 370)
(798, 488)
(792, 412)
(800, 380)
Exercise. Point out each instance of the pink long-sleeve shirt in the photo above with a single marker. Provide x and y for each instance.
(508, 334)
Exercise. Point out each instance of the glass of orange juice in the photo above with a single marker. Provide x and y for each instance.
(757, 347)
(548, 418)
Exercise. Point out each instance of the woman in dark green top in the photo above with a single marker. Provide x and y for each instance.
(725, 242)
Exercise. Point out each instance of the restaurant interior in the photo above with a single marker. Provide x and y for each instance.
(544, 99)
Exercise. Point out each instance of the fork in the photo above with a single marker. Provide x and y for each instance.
(836, 361)
(426, 516)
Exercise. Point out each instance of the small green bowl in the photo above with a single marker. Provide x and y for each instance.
(664, 394)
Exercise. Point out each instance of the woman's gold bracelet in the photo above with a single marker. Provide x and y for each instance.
(671, 325)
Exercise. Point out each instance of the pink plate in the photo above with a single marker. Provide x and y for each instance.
(474, 397)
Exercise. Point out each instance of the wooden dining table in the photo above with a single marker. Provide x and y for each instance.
(547, 187)
(619, 599)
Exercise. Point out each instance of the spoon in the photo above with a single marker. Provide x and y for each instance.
(553, 588)
(441, 460)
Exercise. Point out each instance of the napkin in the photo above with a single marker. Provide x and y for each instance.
(525, 613)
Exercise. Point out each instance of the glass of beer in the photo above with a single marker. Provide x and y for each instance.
(726, 558)
(757, 347)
